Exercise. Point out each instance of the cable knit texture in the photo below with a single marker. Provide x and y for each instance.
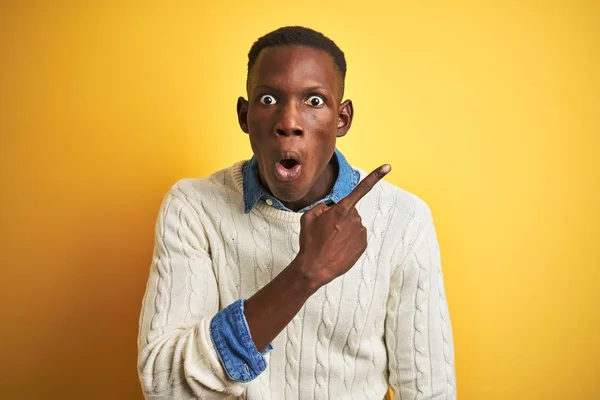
(384, 323)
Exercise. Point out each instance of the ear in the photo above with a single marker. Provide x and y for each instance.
(346, 113)
(242, 113)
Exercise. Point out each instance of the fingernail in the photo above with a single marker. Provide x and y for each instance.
(386, 168)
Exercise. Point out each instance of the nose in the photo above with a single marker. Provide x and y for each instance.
(289, 122)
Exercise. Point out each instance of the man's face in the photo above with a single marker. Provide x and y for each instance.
(293, 116)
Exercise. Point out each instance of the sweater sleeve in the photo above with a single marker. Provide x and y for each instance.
(418, 330)
(176, 356)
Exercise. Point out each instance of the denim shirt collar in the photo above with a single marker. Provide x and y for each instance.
(254, 191)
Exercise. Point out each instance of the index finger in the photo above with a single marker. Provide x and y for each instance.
(364, 187)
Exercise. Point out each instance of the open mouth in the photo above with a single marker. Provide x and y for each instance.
(288, 163)
(288, 167)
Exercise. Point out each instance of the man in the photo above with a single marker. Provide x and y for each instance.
(283, 277)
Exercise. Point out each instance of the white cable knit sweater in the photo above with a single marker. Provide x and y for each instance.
(385, 322)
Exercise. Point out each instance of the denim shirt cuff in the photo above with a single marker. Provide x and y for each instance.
(237, 352)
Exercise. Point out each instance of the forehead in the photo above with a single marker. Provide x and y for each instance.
(294, 66)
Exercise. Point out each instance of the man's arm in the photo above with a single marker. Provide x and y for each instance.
(176, 356)
(332, 239)
(418, 330)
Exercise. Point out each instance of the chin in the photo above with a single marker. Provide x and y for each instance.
(288, 196)
(288, 192)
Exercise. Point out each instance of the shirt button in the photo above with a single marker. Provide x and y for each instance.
(269, 202)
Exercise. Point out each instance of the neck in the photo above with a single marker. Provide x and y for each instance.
(322, 187)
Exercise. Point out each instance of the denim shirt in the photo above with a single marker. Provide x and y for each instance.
(254, 191)
(229, 330)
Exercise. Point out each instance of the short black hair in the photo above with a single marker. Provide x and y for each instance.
(302, 36)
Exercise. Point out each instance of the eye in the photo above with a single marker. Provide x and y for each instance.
(267, 99)
(315, 101)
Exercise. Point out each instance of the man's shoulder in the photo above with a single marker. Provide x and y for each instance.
(224, 182)
(400, 201)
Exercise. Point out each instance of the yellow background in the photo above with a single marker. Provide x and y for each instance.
(489, 112)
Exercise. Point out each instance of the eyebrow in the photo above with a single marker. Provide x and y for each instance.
(308, 89)
(263, 86)
(313, 88)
